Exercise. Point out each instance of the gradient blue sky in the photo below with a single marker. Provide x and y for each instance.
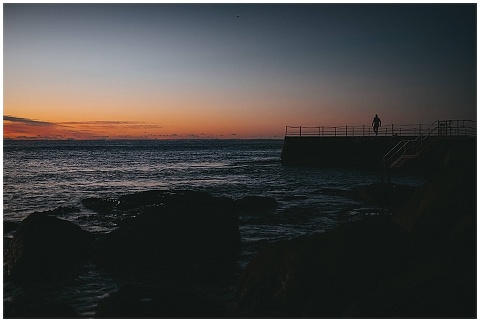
(233, 70)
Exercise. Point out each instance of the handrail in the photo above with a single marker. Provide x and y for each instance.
(402, 144)
(354, 130)
(409, 130)
(437, 128)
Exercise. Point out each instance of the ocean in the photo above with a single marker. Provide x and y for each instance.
(46, 175)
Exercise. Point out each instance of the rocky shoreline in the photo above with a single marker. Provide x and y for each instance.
(168, 245)
(418, 263)
(175, 250)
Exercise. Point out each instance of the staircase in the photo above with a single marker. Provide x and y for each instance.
(403, 159)
(407, 150)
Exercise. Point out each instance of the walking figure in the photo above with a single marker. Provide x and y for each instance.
(376, 123)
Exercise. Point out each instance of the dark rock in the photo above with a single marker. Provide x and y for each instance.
(195, 235)
(141, 199)
(434, 212)
(439, 288)
(172, 198)
(420, 263)
(256, 203)
(441, 219)
(320, 275)
(60, 211)
(383, 194)
(9, 226)
(134, 301)
(6, 246)
(53, 310)
(100, 205)
(44, 247)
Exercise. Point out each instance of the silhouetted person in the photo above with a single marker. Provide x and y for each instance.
(376, 123)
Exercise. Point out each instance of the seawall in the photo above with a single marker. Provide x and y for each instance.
(355, 151)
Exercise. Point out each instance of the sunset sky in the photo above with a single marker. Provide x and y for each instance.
(89, 71)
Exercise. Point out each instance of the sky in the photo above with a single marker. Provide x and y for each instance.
(110, 71)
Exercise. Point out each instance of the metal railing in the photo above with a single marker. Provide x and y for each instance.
(448, 127)
(354, 130)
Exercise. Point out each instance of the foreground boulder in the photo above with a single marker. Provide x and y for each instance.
(192, 235)
(256, 203)
(321, 275)
(436, 212)
(135, 301)
(45, 247)
(440, 287)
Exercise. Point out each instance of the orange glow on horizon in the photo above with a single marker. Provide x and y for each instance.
(19, 128)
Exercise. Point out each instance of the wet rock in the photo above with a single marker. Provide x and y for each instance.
(134, 301)
(393, 196)
(60, 211)
(173, 198)
(321, 275)
(100, 205)
(256, 203)
(44, 247)
(193, 235)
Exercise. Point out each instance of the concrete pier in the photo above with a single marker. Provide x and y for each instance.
(368, 152)
(355, 151)
(357, 146)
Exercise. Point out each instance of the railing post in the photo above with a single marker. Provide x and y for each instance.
(420, 135)
(346, 130)
(335, 130)
(300, 131)
(363, 130)
(319, 131)
(392, 129)
(322, 129)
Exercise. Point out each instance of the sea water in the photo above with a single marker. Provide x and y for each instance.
(46, 175)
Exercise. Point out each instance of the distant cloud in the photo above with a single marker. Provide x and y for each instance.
(129, 124)
(103, 122)
(26, 121)
(19, 127)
